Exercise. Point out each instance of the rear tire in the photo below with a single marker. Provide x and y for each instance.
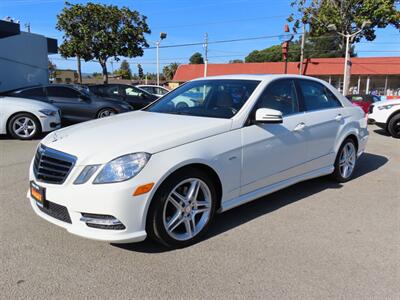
(106, 112)
(394, 126)
(178, 218)
(345, 162)
(24, 126)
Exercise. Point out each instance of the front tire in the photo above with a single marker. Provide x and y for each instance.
(182, 208)
(24, 126)
(394, 126)
(345, 162)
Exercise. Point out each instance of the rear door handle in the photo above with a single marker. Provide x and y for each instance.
(300, 127)
(339, 117)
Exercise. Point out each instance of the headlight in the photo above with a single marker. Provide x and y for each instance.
(123, 168)
(389, 106)
(86, 173)
(48, 112)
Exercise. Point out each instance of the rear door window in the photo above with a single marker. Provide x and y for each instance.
(316, 96)
(62, 92)
(35, 92)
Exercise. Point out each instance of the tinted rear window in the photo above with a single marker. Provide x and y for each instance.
(35, 92)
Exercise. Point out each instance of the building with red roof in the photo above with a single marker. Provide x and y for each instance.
(380, 75)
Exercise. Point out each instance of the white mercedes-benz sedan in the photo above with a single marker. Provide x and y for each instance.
(165, 171)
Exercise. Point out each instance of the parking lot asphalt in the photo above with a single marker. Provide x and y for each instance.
(317, 239)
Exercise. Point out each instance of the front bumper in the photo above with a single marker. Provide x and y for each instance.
(103, 199)
(50, 123)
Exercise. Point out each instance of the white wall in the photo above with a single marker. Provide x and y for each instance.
(23, 61)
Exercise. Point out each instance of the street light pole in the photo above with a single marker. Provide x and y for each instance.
(163, 35)
(205, 54)
(158, 62)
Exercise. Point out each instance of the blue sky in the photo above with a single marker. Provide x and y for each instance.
(186, 22)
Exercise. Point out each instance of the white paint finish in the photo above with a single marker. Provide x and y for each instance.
(265, 144)
(249, 160)
(131, 132)
(322, 128)
(9, 106)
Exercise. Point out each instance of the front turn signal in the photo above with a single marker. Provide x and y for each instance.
(143, 189)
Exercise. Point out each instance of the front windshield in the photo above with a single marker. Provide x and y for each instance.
(219, 98)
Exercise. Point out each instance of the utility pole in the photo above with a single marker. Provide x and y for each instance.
(205, 54)
(303, 38)
(347, 62)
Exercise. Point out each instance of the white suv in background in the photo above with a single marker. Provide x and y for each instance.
(165, 171)
(25, 119)
(386, 114)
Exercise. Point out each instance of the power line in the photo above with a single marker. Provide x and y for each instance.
(227, 41)
(219, 22)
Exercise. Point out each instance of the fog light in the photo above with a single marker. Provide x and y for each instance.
(102, 221)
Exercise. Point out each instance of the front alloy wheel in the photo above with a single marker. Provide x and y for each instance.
(187, 209)
(182, 208)
(23, 126)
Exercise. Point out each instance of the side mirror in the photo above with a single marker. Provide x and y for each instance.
(268, 115)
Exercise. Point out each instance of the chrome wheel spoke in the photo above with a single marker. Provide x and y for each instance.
(175, 221)
(200, 210)
(193, 190)
(179, 196)
(175, 203)
(188, 228)
(19, 129)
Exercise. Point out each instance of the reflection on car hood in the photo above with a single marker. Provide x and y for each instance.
(101, 140)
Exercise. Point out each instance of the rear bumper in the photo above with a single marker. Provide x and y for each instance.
(362, 145)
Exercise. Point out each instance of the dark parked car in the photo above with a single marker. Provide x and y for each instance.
(76, 104)
(363, 101)
(134, 96)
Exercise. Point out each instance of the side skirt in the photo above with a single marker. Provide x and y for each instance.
(273, 188)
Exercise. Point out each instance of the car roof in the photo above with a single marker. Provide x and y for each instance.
(150, 85)
(260, 77)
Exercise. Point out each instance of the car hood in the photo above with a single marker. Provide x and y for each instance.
(99, 141)
(27, 103)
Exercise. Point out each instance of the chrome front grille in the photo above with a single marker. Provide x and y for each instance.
(52, 166)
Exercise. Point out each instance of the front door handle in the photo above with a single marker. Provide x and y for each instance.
(300, 127)
(339, 118)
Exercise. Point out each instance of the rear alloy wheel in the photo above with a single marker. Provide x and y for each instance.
(394, 126)
(23, 126)
(182, 209)
(345, 161)
(106, 112)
